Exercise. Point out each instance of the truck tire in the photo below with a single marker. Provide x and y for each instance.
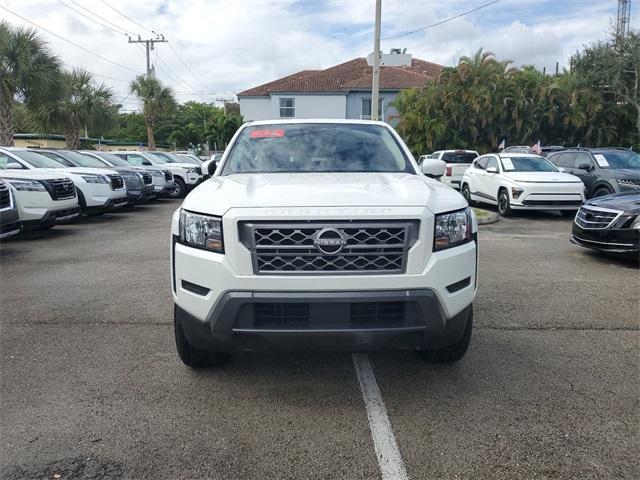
(466, 193)
(602, 191)
(454, 352)
(180, 190)
(194, 357)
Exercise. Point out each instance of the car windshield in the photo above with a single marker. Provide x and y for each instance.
(527, 164)
(618, 159)
(37, 160)
(157, 157)
(113, 159)
(459, 157)
(322, 147)
(82, 160)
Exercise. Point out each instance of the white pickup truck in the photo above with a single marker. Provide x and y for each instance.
(457, 162)
(322, 234)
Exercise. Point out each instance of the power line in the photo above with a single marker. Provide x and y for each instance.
(186, 66)
(128, 18)
(68, 41)
(411, 32)
(118, 30)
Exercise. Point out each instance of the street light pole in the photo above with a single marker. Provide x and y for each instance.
(375, 84)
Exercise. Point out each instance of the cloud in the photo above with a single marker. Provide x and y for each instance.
(231, 45)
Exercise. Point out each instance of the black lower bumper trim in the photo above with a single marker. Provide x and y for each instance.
(325, 321)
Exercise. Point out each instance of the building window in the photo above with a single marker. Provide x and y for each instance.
(365, 113)
(287, 107)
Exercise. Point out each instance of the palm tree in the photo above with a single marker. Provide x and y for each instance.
(156, 100)
(80, 103)
(28, 72)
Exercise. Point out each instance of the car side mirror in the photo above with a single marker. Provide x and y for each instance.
(147, 162)
(561, 169)
(211, 168)
(492, 170)
(433, 168)
(585, 166)
(13, 166)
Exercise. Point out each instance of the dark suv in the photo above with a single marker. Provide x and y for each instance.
(602, 170)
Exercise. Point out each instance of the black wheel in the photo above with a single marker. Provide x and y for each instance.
(194, 357)
(602, 191)
(504, 204)
(568, 213)
(466, 193)
(181, 189)
(453, 352)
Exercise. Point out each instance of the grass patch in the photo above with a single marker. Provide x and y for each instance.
(481, 213)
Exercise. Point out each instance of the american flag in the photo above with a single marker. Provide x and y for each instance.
(537, 148)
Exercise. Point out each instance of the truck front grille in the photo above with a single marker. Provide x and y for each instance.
(132, 181)
(60, 188)
(147, 178)
(595, 218)
(168, 176)
(329, 247)
(117, 183)
(5, 196)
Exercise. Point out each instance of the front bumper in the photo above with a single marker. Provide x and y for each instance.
(343, 320)
(611, 240)
(548, 196)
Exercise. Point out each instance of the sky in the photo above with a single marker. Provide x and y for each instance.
(217, 48)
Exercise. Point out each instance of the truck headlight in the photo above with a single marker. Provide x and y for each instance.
(452, 229)
(636, 223)
(95, 179)
(191, 171)
(201, 231)
(25, 185)
(157, 173)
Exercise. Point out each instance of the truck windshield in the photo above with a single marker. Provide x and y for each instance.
(322, 147)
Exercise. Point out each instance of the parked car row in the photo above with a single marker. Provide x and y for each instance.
(40, 188)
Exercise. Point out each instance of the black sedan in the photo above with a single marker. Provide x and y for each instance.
(610, 224)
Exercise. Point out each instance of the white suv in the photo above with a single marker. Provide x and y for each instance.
(521, 181)
(42, 198)
(98, 190)
(322, 234)
(185, 175)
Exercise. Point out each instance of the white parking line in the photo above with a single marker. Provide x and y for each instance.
(384, 442)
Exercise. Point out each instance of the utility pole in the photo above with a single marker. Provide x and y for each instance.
(622, 21)
(149, 47)
(375, 84)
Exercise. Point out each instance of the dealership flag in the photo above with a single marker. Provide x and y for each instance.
(537, 148)
(503, 144)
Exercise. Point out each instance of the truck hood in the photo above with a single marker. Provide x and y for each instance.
(176, 166)
(219, 194)
(84, 171)
(34, 173)
(542, 177)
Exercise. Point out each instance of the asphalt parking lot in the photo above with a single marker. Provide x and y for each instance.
(91, 386)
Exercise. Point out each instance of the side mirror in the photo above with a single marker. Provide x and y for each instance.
(13, 166)
(585, 166)
(147, 162)
(433, 168)
(492, 170)
(561, 169)
(211, 168)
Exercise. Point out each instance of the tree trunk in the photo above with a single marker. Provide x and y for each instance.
(72, 139)
(6, 121)
(151, 143)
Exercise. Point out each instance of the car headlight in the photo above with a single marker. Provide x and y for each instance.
(629, 181)
(516, 192)
(95, 179)
(25, 185)
(452, 229)
(636, 223)
(157, 173)
(191, 170)
(201, 231)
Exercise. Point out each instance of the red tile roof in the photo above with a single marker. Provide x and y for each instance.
(352, 75)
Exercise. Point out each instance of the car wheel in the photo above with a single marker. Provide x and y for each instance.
(466, 193)
(602, 191)
(194, 357)
(180, 190)
(504, 204)
(453, 352)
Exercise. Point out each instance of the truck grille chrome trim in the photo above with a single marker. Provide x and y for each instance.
(5, 196)
(596, 218)
(60, 188)
(369, 247)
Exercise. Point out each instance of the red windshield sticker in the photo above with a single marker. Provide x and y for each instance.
(267, 133)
